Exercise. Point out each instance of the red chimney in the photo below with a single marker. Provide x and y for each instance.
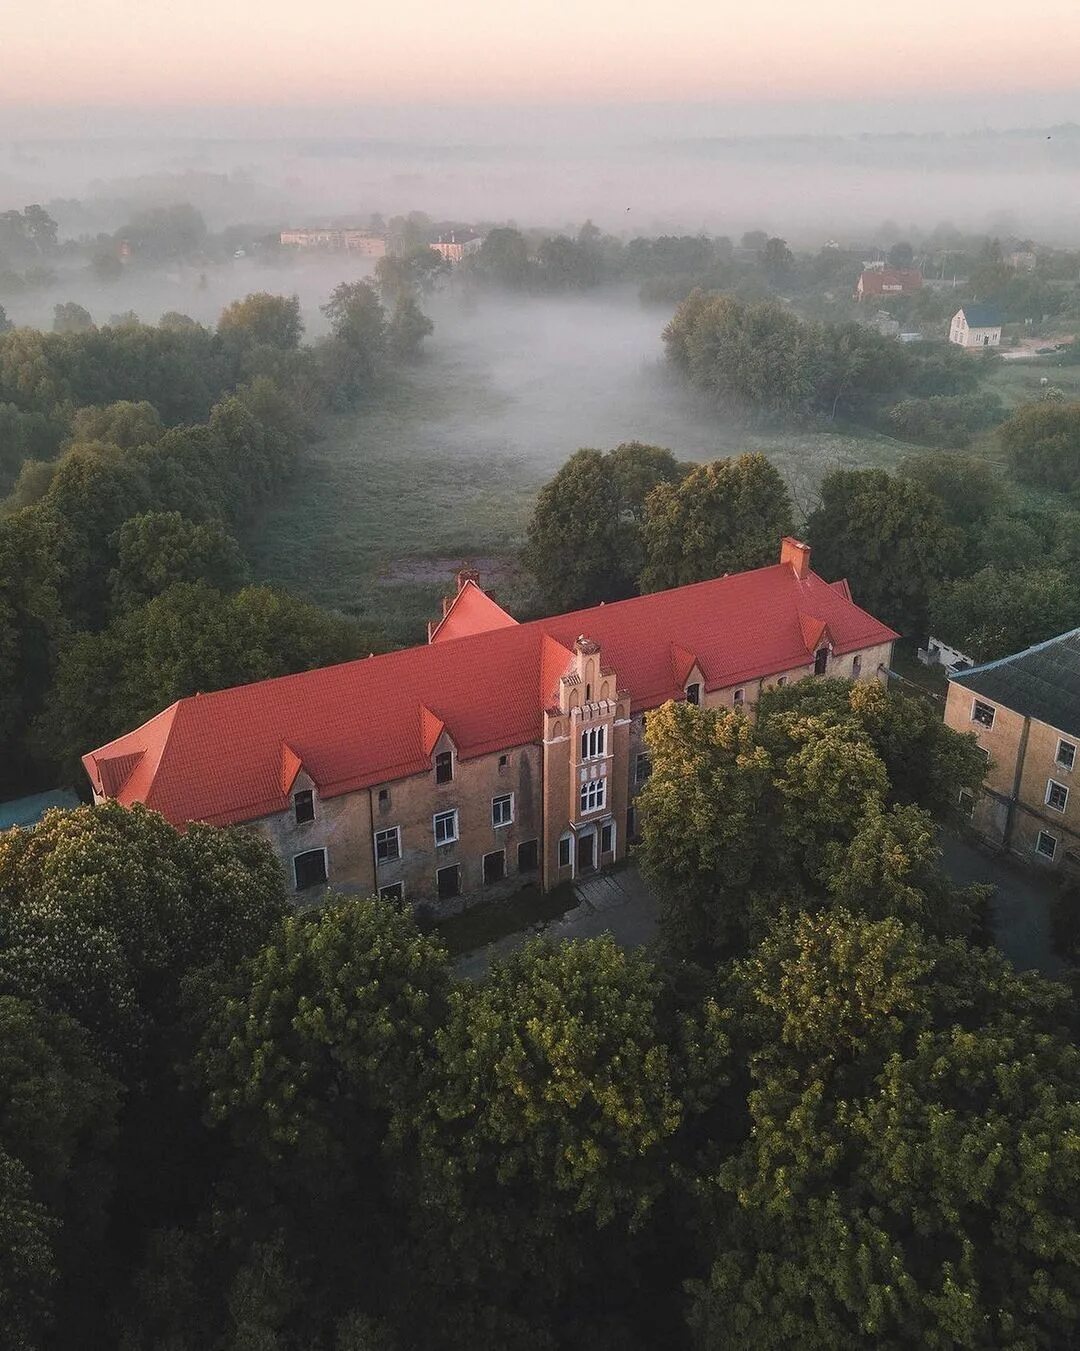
(796, 553)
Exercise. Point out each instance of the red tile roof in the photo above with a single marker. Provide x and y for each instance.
(222, 757)
(471, 611)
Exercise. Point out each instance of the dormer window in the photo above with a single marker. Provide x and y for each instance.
(444, 767)
(303, 804)
(821, 661)
(693, 694)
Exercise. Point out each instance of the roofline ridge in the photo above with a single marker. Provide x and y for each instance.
(1014, 656)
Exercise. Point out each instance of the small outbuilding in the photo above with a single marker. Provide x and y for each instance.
(976, 326)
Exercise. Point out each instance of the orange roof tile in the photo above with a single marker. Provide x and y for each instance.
(218, 757)
(471, 611)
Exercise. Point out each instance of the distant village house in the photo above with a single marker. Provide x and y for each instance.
(876, 283)
(976, 326)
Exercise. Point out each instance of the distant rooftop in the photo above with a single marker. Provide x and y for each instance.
(28, 811)
(981, 316)
(1042, 682)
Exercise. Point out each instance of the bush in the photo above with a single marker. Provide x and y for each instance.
(942, 419)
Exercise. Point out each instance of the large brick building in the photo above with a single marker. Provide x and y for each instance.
(497, 754)
(1025, 713)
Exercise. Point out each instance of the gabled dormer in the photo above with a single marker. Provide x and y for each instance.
(818, 641)
(297, 785)
(438, 745)
(688, 674)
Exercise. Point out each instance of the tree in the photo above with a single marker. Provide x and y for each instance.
(352, 357)
(722, 517)
(502, 259)
(901, 255)
(160, 548)
(889, 538)
(408, 328)
(579, 548)
(969, 491)
(777, 260)
(72, 318)
(639, 468)
(27, 1273)
(891, 1189)
(415, 272)
(1042, 442)
(124, 424)
(261, 319)
(6, 326)
(994, 612)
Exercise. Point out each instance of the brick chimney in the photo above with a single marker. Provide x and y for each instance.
(467, 575)
(797, 554)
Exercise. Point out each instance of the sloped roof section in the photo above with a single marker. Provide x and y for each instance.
(814, 631)
(1042, 682)
(981, 316)
(218, 757)
(471, 611)
(682, 663)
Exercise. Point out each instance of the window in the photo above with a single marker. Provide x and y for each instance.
(448, 882)
(642, 767)
(821, 661)
(856, 667)
(588, 694)
(1045, 844)
(309, 869)
(607, 838)
(495, 866)
(983, 752)
(303, 805)
(384, 799)
(739, 698)
(1066, 754)
(564, 852)
(388, 845)
(593, 795)
(446, 831)
(593, 740)
(394, 892)
(982, 713)
(444, 767)
(1057, 795)
(781, 680)
(631, 823)
(504, 760)
(966, 802)
(502, 810)
(693, 694)
(528, 856)
(644, 722)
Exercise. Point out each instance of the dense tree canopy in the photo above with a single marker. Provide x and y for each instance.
(993, 613)
(1042, 441)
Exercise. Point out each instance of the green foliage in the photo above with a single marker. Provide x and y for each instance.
(72, 318)
(889, 537)
(994, 613)
(1042, 442)
(722, 517)
(161, 548)
(27, 1273)
(408, 328)
(261, 319)
(124, 424)
(502, 260)
(943, 419)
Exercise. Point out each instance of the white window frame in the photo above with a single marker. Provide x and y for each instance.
(1045, 835)
(300, 792)
(962, 799)
(509, 799)
(981, 703)
(439, 816)
(593, 742)
(399, 887)
(388, 830)
(303, 853)
(1070, 765)
(1051, 784)
(595, 791)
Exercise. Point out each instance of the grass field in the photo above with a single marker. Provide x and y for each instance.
(445, 464)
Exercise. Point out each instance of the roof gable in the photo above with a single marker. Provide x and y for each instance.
(471, 611)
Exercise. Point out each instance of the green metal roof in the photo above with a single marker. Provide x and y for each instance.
(28, 811)
(1042, 682)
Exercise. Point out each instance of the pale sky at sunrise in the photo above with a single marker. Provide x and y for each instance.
(275, 52)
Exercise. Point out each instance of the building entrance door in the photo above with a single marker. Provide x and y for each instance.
(586, 853)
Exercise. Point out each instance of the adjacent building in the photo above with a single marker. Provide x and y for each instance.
(497, 754)
(1025, 713)
(364, 242)
(877, 283)
(976, 326)
(458, 246)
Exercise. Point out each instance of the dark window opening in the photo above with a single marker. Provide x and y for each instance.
(607, 839)
(310, 869)
(384, 798)
(631, 823)
(304, 806)
(642, 767)
(449, 882)
(967, 803)
(494, 866)
(528, 856)
(588, 693)
(394, 892)
(387, 845)
(504, 760)
(564, 852)
(821, 661)
(693, 694)
(444, 767)
(982, 713)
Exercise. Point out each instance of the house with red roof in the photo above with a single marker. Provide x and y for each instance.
(878, 283)
(496, 754)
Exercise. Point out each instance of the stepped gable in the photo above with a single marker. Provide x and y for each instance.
(218, 757)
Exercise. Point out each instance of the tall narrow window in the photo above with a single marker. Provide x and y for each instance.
(642, 767)
(444, 767)
(1046, 844)
(495, 866)
(593, 795)
(593, 741)
(607, 838)
(448, 881)
(564, 851)
(528, 856)
(856, 667)
(387, 845)
(1066, 754)
(304, 806)
(693, 694)
(1057, 795)
(821, 661)
(739, 698)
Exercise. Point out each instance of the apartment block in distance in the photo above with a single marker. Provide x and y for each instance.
(1025, 713)
(498, 753)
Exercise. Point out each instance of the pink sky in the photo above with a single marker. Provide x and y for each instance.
(165, 52)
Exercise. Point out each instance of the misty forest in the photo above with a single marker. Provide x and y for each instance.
(259, 400)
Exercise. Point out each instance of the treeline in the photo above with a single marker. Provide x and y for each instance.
(121, 583)
(941, 546)
(228, 1124)
(762, 360)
